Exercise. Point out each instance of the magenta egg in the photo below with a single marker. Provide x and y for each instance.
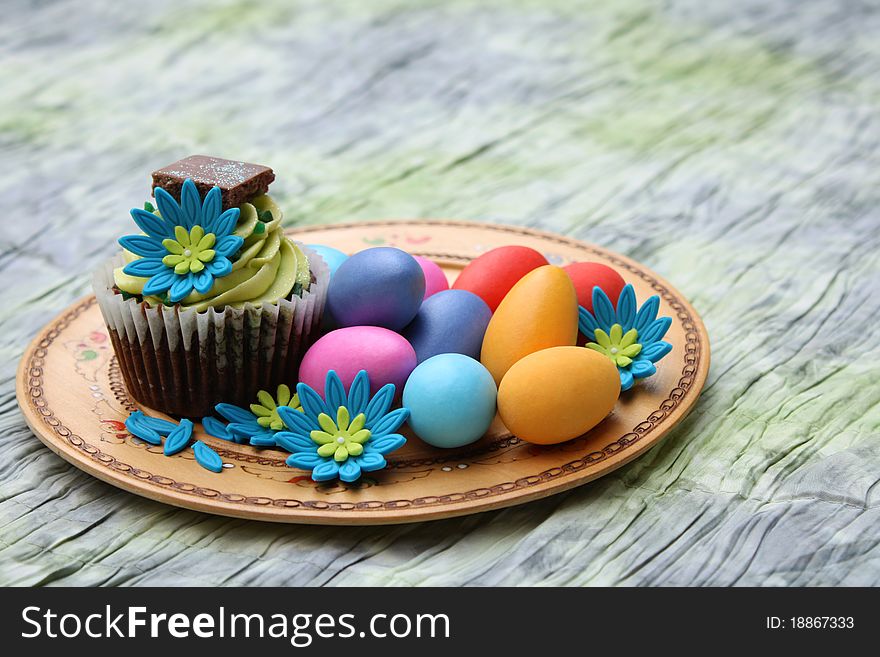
(385, 355)
(435, 279)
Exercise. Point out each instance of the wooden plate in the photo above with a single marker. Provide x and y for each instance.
(71, 392)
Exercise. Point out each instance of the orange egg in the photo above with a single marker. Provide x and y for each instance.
(557, 394)
(540, 311)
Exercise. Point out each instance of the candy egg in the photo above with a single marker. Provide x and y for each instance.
(387, 357)
(539, 312)
(493, 274)
(333, 257)
(451, 400)
(435, 279)
(587, 275)
(382, 286)
(451, 321)
(557, 394)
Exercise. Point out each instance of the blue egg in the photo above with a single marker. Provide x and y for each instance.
(449, 322)
(451, 400)
(382, 286)
(333, 257)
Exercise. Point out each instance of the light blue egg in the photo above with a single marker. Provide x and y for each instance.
(333, 257)
(451, 400)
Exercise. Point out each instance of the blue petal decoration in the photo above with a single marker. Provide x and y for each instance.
(160, 426)
(656, 330)
(349, 470)
(178, 439)
(214, 427)
(225, 223)
(190, 204)
(181, 288)
(655, 351)
(334, 392)
(137, 428)
(647, 314)
(169, 209)
(587, 324)
(304, 460)
(626, 307)
(235, 413)
(293, 442)
(371, 461)
(203, 281)
(144, 267)
(389, 423)
(642, 368)
(219, 267)
(143, 246)
(311, 402)
(227, 245)
(603, 309)
(211, 207)
(388, 443)
(295, 420)
(379, 405)
(325, 471)
(207, 457)
(243, 431)
(359, 394)
(626, 378)
(160, 283)
(151, 224)
(263, 440)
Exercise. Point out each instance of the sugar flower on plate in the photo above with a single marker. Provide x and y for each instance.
(342, 435)
(631, 338)
(186, 246)
(257, 426)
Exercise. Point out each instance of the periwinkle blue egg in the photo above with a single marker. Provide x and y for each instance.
(449, 322)
(382, 286)
(451, 399)
(333, 257)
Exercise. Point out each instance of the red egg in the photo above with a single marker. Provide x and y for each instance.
(492, 275)
(587, 275)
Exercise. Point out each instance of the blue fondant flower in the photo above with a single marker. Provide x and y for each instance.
(632, 339)
(342, 435)
(256, 426)
(185, 248)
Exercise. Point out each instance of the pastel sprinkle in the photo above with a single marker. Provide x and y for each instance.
(179, 438)
(207, 457)
(139, 429)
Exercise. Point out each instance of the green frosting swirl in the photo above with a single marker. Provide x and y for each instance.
(266, 269)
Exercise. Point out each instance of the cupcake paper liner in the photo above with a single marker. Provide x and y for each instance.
(183, 362)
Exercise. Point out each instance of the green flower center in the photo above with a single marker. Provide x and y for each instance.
(267, 409)
(620, 347)
(342, 438)
(189, 251)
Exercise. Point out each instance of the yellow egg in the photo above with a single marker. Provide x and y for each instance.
(557, 394)
(539, 312)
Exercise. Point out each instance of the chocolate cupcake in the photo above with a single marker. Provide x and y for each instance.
(212, 302)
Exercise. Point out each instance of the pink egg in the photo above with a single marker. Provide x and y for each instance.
(385, 355)
(435, 279)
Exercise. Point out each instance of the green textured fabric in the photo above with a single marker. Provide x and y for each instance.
(732, 147)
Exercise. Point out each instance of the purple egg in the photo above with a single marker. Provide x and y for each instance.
(382, 286)
(449, 322)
